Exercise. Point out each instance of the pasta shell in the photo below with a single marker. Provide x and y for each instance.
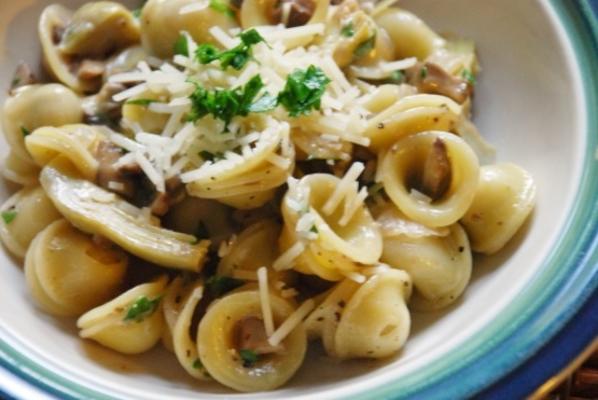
(407, 159)
(132, 323)
(54, 105)
(220, 354)
(68, 274)
(505, 197)
(25, 214)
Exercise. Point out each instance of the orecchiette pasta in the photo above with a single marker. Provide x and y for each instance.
(24, 215)
(410, 35)
(238, 320)
(162, 20)
(179, 304)
(365, 321)
(248, 180)
(438, 260)
(431, 177)
(504, 199)
(412, 114)
(53, 105)
(301, 168)
(132, 323)
(77, 143)
(326, 219)
(68, 274)
(76, 45)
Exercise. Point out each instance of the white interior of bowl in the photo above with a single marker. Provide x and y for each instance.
(529, 103)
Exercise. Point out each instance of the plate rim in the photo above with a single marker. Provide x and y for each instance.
(573, 289)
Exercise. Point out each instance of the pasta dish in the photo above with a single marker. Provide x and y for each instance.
(236, 180)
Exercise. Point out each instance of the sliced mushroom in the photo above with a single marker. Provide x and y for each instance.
(108, 176)
(97, 211)
(292, 13)
(437, 171)
(431, 78)
(251, 335)
(100, 109)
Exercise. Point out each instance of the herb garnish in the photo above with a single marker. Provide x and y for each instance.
(8, 216)
(237, 57)
(143, 307)
(397, 77)
(25, 131)
(181, 46)
(468, 76)
(365, 47)
(141, 102)
(207, 156)
(348, 30)
(197, 364)
(222, 7)
(423, 72)
(219, 285)
(249, 357)
(226, 104)
(303, 91)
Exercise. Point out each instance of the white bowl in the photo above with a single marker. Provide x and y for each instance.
(532, 102)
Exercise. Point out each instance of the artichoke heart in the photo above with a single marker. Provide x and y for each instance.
(97, 211)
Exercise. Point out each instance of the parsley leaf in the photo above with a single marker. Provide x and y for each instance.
(249, 357)
(348, 30)
(365, 47)
(181, 46)
(225, 104)
(397, 77)
(219, 285)
(222, 7)
(25, 131)
(8, 216)
(197, 364)
(303, 91)
(237, 57)
(141, 102)
(423, 72)
(143, 307)
(468, 76)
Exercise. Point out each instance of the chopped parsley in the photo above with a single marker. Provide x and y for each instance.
(237, 57)
(226, 104)
(423, 72)
(181, 46)
(365, 47)
(314, 229)
(468, 76)
(397, 77)
(141, 102)
(249, 357)
(303, 91)
(222, 7)
(219, 285)
(143, 307)
(197, 364)
(348, 30)
(25, 131)
(15, 82)
(8, 216)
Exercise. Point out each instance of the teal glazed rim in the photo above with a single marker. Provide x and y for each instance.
(545, 326)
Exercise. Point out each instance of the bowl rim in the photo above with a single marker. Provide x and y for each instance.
(547, 324)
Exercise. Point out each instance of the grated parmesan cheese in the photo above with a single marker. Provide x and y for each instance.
(262, 278)
(294, 320)
(285, 261)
